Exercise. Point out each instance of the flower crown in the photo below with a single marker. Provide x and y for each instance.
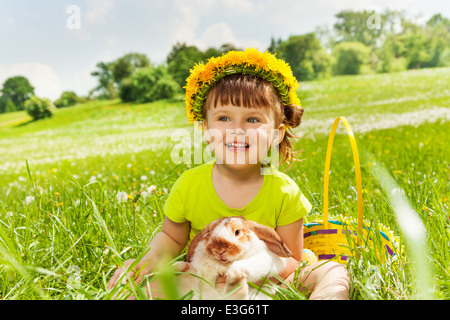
(251, 61)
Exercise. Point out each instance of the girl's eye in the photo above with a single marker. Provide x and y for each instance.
(223, 119)
(253, 120)
(237, 232)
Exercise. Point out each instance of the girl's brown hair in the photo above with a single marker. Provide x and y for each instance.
(253, 92)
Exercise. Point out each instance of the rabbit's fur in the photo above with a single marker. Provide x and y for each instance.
(240, 249)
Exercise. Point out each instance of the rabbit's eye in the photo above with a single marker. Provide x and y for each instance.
(237, 232)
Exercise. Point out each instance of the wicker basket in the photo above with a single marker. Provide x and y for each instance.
(334, 239)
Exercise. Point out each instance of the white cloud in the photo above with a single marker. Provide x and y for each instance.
(215, 35)
(99, 10)
(185, 20)
(42, 77)
(10, 21)
(239, 6)
(221, 33)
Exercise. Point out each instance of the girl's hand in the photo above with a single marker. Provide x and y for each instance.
(136, 274)
(167, 243)
(119, 272)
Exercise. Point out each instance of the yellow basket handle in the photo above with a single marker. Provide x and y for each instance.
(326, 178)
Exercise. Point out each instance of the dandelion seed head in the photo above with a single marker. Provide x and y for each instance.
(121, 196)
(29, 200)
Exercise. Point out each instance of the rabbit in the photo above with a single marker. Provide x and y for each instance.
(240, 249)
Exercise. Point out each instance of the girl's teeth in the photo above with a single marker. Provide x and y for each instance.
(232, 145)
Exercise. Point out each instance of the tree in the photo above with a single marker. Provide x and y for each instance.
(16, 90)
(147, 85)
(106, 86)
(352, 26)
(350, 56)
(180, 61)
(306, 56)
(215, 52)
(418, 46)
(111, 74)
(39, 108)
(67, 99)
(125, 66)
(368, 27)
(6, 105)
(390, 55)
(438, 27)
(274, 45)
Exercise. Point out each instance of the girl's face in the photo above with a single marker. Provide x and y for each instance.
(241, 137)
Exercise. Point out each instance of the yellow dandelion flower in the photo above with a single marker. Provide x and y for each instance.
(251, 61)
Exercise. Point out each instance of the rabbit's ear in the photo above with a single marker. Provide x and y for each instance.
(194, 243)
(270, 238)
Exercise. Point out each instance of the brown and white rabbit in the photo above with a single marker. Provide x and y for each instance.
(240, 249)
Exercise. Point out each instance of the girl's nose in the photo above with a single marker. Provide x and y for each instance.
(239, 131)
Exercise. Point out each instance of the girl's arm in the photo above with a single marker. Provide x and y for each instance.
(167, 244)
(292, 236)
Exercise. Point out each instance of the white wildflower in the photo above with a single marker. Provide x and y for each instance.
(121, 196)
(151, 189)
(143, 178)
(29, 199)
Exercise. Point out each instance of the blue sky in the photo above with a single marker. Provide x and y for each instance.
(38, 39)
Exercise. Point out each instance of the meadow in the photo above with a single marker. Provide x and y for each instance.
(84, 190)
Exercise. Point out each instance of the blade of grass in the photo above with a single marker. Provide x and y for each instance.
(413, 230)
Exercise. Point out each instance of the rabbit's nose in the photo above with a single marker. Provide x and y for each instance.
(220, 246)
(220, 250)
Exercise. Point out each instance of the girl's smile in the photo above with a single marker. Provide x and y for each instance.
(237, 146)
(239, 135)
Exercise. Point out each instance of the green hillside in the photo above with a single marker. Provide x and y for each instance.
(49, 227)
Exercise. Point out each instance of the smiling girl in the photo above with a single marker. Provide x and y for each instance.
(246, 104)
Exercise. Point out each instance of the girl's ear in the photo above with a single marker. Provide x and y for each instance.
(281, 132)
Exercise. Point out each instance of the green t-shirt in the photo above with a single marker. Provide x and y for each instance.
(193, 198)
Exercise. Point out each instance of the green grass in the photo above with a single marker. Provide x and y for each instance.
(55, 243)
